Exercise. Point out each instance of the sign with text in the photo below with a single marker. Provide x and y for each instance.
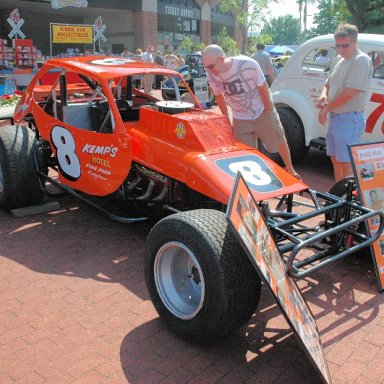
(72, 33)
(245, 217)
(368, 167)
(200, 87)
(57, 4)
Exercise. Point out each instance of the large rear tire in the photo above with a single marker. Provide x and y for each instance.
(19, 184)
(294, 133)
(199, 279)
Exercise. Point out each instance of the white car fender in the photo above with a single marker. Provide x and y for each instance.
(302, 106)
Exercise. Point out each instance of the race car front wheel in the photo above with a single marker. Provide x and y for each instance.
(199, 279)
(19, 185)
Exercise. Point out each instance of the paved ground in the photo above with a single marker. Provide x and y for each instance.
(74, 309)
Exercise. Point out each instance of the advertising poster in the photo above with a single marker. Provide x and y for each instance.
(368, 166)
(72, 33)
(246, 219)
(200, 86)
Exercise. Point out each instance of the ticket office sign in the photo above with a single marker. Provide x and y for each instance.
(72, 33)
(244, 216)
(368, 167)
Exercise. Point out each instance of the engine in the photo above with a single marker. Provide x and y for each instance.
(148, 189)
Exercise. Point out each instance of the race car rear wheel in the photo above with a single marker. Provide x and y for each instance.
(294, 133)
(199, 279)
(19, 185)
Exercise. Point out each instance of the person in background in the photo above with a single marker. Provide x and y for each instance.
(322, 59)
(180, 61)
(265, 62)
(148, 79)
(158, 59)
(170, 60)
(240, 82)
(126, 53)
(138, 80)
(343, 99)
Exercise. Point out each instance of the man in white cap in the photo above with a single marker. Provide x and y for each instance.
(240, 82)
(148, 79)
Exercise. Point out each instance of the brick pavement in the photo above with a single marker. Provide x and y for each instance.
(74, 309)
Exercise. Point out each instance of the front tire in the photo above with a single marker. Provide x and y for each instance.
(19, 184)
(199, 279)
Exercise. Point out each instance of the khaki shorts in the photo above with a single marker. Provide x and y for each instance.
(267, 128)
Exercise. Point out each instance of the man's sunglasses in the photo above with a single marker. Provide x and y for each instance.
(211, 66)
(342, 45)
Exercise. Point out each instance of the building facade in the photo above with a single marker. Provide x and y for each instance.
(128, 24)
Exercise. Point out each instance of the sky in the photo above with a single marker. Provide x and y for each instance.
(290, 7)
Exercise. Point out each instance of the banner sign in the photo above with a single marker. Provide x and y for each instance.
(72, 33)
(246, 219)
(368, 166)
(56, 4)
(15, 21)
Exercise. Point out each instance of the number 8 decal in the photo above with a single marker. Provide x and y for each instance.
(65, 145)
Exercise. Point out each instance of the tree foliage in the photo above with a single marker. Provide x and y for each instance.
(366, 15)
(227, 43)
(249, 14)
(331, 14)
(284, 30)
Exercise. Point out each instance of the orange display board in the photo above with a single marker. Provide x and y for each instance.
(368, 166)
(72, 33)
(245, 217)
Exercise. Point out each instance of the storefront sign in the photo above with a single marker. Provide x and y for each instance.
(56, 4)
(183, 12)
(368, 164)
(15, 21)
(72, 33)
(248, 222)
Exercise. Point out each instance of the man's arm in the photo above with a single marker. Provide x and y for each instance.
(343, 97)
(265, 96)
(222, 104)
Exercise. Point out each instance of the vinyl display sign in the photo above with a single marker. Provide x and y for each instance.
(245, 217)
(368, 166)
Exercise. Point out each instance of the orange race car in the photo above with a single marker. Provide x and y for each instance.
(92, 134)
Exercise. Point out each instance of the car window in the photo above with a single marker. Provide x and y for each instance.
(319, 59)
(377, 58)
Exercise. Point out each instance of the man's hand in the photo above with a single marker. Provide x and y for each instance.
(321, 101)
(323, 115)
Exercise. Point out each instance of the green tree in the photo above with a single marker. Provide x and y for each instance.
(227, 43)
(331, 14)
(283, 29)
(249, 14)
(366, 15)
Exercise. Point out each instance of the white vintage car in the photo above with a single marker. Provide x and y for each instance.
(299, 83)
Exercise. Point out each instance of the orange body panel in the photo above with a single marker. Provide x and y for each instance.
(196, 147)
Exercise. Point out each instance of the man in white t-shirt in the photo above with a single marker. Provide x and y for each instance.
(240, 82)
(148, 79)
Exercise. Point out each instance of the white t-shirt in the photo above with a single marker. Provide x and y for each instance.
(353, 72)
(240, 87)
(146, 56)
